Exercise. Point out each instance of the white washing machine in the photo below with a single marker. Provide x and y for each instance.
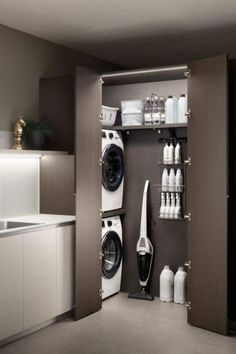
(112, 250)
(112, 170)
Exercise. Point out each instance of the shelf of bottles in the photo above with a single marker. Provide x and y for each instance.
(172, 187)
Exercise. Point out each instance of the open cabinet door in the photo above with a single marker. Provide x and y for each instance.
(88, 192)
(207, 189)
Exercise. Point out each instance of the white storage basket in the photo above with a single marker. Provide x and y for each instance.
(109, 115)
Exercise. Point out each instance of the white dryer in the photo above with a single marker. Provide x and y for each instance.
(112, 170)
(112, 251)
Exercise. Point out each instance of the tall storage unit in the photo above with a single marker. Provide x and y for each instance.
(202, 239)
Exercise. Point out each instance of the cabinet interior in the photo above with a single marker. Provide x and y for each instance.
(143, 150)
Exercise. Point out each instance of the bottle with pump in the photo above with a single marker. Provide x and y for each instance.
(148, 112)
(167, 207)
(167, 284)
(180, 286)
(177, 213)
(163, 205)
(171, 110)
(165, 180)
(177, 154)
(172, 180)
(172, 206)
(182, 109)
(161, 108)
(171, 152)
(179, 181)
(155, 111)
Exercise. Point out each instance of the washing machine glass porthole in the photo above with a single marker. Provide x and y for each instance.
(112, 254)
(113, 167)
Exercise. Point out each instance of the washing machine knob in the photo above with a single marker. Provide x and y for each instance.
(111, 135)
(109, 223)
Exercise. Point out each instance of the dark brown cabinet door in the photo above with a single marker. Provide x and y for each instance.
(207, 189)
(88, 192)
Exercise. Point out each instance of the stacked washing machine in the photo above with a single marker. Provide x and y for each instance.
(112, 198)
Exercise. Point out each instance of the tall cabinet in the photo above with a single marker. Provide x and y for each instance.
(205, 234)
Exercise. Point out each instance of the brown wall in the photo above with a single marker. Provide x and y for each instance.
(23, 60)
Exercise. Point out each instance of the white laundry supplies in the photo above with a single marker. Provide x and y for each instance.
(167, 284)
(171, 110)
(180, 286)
(182, 109)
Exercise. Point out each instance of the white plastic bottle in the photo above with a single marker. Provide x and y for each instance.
(167, 284)
(179, 181)
(177, 213)
(172, 206)
(177, 154)
(182, 109)
(172, 180)
(167, 207)
(180, 286)
(163, 205)
(165, 153)
(171, 110)
(165, 180)
(171, 153)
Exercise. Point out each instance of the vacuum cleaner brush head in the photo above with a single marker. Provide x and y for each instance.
(143, 295)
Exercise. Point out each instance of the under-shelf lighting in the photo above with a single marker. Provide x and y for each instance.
(146, 71)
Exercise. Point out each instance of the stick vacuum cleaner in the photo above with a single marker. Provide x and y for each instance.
(144, 251)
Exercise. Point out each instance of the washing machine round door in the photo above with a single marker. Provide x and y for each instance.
(112, 254)
(113, 167)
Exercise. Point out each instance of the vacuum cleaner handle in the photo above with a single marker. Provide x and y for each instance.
(143, 226)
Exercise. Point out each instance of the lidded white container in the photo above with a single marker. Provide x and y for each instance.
(179, 181)
(177, 153)
(180, 286)
(166, 153)
(172, 180)
(165, 180)
(167, 207)
(182, 109)
(171, 110)
(172, 206)
(170, 154)
(167, 284)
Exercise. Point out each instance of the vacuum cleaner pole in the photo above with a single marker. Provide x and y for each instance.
(144, 251)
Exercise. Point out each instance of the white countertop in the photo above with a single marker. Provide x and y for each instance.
(40, 221)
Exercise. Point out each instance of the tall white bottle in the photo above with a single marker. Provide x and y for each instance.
(172, 180)
(180, 286)
(167, 207)
(172, 206)
(182, 109)
(163, 206)
(167, 284)
(179, 181)
(171, 153)
(177, 154)
(177, 213)
(166, 153)
(171, 110)
(165, 180)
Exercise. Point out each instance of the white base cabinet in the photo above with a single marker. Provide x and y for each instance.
(39, 277)
(65, 268)
(36, 277)
(11, 290)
